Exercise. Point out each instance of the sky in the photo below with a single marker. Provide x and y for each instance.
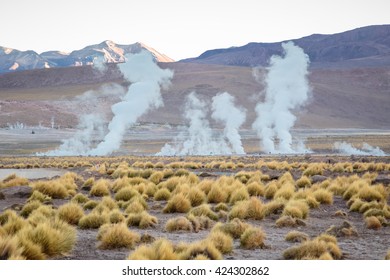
(178, 28)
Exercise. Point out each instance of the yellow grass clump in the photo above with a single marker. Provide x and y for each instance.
(288, 221)
(217, 194)
(323, 196)
(80, 198)
(29, 207)
(252, 238)
(196, 196)
(204, 210)
(202, 250)
(222, 241)
(70, 213)
(13, 180)
(256, 189)
(296, 236)
(177, 203)
(92, 221)
(161, 249)
(142, 220)
(303, 182)
(53, 188)
(239, 193)
(296, 209)
(126, 194)
(274, 206)
(234, 228)
(178, 224)
(162, 194)
(270, 190)
(117, 236)
(286, 191)
(100, 188)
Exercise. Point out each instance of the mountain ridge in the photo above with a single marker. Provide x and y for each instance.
(12, 60)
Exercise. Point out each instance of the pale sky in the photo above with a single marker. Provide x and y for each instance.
(178, 28)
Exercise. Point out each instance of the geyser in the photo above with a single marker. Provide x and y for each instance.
(198, 138)
(287, 89)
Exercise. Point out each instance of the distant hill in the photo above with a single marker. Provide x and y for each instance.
(362, 47)
(12, 60)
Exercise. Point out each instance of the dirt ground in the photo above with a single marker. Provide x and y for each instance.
(368, 245)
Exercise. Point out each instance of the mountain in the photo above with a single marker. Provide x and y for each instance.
(362, 47)
(12, 60)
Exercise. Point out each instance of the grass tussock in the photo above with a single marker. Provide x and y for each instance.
(202, 250)
(196, 196)
(38, 196)
(13, 180)
(29, 207)
(297, 209)
(296, 236)
(323, 196)
(126, 193)
(222, 241)
(80, 198)
(177, 203)
(92, 221)
(100, 188)
(313, 249)
(256, 189)
(286, 191)
(252, 238)
(303, 182)
(288, 221)
(162, 194)
(239, 194)
(204, 210)
(115, 236)
(70, 213)
(178, 224)
(217, 194)
(161, 249)
(142, 220)
(53, 188)
(274, 206)
(234, 228)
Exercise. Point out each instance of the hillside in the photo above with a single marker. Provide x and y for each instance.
(340, 98)
(362, 47)
(12, 60)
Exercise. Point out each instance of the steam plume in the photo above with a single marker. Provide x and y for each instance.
(198, 138)
(232, 117)
(286, 89)
(367, 150)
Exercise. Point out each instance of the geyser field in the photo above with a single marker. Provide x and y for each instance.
(222, 181)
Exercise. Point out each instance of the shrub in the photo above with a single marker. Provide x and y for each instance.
(117, 236)
(222, 241)
(38, 196)
(234, 228)
(116, 216)
(196, 196)
(54, 188)
(274, 207)
(204, 210)
(70, 213)
(177, 224)
(217, 194)
(92, 220)
(373, 222)
(256, 189)
(80, 198)
(296, 236)
(100, 188)
(323, 196)
(177, 203)
(252, 238)
(270, 190)
(303, 182)
(91, 204)
(288, 221)
(312, 249)
(142, 220)
(160, 249)
(286, 191)
(126, 194)
(29, 207)
(296, 209)
(204, 249)
(239, 194)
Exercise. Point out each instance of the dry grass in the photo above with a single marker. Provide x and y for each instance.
(296, 209)
(80, 198)
(239, 194)
(160, 249)
(178, 224)
(126, 194)
(117, 236)
(296, 236)
(70, 213)
(54, 188)
(303, 182)
(142, 220)
(217, 194)
(100, 188)
(92, 221)
(323, 196)
(29, 207)
(222, 241)
(256, 189)
(286, 191)
(288, 221)
(252, 238)
(177, 203)
(234, 228)
(204, 249)
(196, 196)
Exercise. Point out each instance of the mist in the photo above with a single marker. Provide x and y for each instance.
(366, 150)
(143, 94)
(232, 117)
(198, 138)
(287, 89)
